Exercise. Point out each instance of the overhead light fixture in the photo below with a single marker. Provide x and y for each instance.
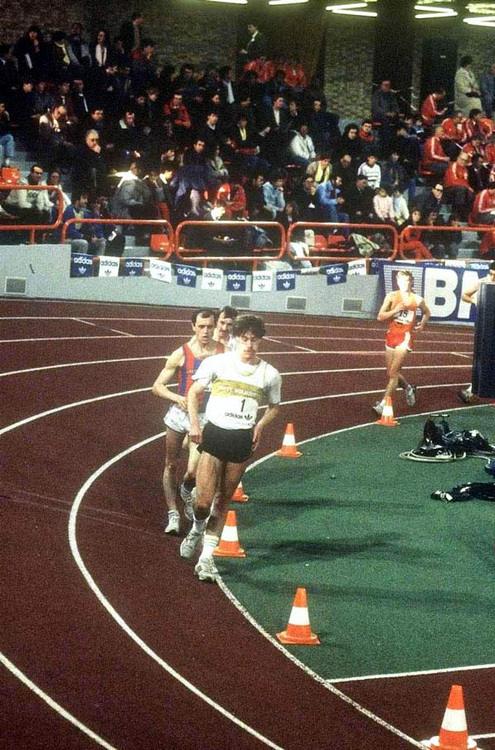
(286, 2)
(480, 20)
(431, 11)
(233, 2)
(350, 9)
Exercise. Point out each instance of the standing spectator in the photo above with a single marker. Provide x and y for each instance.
(256, 45)
(30, 52)
(274, 130)
(79, 49)
(9, 76)
(130, 34)
(7, 146)
(466, 89)
(323, 126)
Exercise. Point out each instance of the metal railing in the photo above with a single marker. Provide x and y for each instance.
(33, 228)
(329, 253)
(162, 223)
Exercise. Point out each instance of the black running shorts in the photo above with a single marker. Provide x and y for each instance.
(234, 446)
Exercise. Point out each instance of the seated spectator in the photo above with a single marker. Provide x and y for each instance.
(217, 171)
(127, 138)
(330, 202)
(458, 191)
(295, 115)
(401, 210)
(89, 170)
(234, 197)
(430, 109)
(273, 195)
(366, 136)
(24, 115)
(346, 170)
(395, 175)
(372, 171)
(301, 147)
(434, 158)
(177, 118)
(484, 206)
(350, 143)
(411, 239)
(54, 179)
(305, 197)
(435, 241)
(9, 76)
(210, 133)
(55, 147)
(323, 126)
(478, 173)
(255, 199)
(244, 142)
(100, 52)
(320, 169)
(454, 134)
(43, 98)
(62, 61)
(359, 202)
(79, 48)
(453, 239)
(433, 200)
(383, 207)
(143, 68)
(30, 206)
(274, 131)
(478, 124)
(84, 238)
(7, 145)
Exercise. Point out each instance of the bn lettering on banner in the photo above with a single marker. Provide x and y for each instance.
(285, 281)
(186, 276)
(212, 279)
(262, 281)
(336, 273)
(161, 270)
(81, 265)
(109, 266)
(236, 281)
(441, 286)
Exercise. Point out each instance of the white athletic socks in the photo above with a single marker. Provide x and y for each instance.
(210, 542)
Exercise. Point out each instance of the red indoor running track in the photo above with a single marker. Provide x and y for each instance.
(107, 638)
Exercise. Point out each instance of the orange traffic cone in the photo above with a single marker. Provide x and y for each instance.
(453, 732)
(229, 541)
(299, 630)
(387, 419)
(239, 496)
(289, 447)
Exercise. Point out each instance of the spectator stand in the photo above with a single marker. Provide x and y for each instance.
(32, 229)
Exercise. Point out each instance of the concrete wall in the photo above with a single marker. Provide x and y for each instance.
(46, 269)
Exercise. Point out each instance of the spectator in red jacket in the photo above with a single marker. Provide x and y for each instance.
(458, 191)
(430, 112)
(434, 158)
(484, 206)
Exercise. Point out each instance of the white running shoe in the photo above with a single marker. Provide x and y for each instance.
(411, 395)
(187, 497)
(173, 525)
(190, 543)
(378, 408)
(466, 395)
(205, 570)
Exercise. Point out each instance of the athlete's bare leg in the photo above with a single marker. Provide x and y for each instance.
(395, 359)
(173, 446)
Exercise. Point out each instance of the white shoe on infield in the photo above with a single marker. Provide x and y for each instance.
(190, 543)
(187, 497)
(466, 395)
(411, 394)
(206, 570)
(173, 525)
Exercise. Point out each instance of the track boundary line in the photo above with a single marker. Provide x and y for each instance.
(120, 620)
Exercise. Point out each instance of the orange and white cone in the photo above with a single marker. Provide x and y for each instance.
(289, 447)
(453, 732)
(387, 419)
(239, 496)
(229, 541)
(299, 630)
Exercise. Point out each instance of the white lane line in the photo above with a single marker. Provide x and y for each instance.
(53, 704)
(482, 736)
(91, 338)
(305, 349)
(421, 672)
(114, 330)
(460, 354)
(79, 364)
(119, 619)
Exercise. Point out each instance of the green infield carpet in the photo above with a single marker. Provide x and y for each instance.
(396, 581)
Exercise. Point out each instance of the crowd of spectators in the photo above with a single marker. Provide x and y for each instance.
(134, 140)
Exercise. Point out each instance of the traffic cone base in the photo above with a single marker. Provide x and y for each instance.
(229, 542)
(453, 732)
(289, 447)
(387, 419)
(298, 630)
(239, 496)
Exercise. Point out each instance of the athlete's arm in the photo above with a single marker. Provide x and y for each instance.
(160, 388)
(388, 309)
(426, 315)
(271, 412)
(469, 294)
(194, 398)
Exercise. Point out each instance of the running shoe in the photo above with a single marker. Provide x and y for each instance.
(205, 570)
(466, 395)
(173, 525)
(187, 497)
(190, 543)
(378, 408)
(411, 395)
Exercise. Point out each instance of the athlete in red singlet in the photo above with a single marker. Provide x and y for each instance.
(183, 363)
(400, 308)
